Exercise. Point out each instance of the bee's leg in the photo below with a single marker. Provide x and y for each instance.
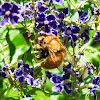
(37, 46)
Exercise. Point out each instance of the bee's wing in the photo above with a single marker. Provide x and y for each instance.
(52, 55)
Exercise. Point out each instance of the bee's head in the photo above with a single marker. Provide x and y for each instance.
(43, 54)
(39, 40)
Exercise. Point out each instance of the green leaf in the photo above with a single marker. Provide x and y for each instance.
(12, 94)
(88, 79)
(40, 96)
(75, 17)
(17, 38)
(10, 98)
(11, 46)
(3, 32)
(17, 43)
(83, 95)
(4, 49)
(28, 56)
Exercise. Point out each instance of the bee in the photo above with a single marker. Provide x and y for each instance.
(52, 49)
(27, 35)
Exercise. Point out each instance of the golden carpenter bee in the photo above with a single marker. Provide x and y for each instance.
(50, 48)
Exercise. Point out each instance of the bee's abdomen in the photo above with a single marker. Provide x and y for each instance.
(49, 63)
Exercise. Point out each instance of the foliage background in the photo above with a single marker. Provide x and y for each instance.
(15, 47)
